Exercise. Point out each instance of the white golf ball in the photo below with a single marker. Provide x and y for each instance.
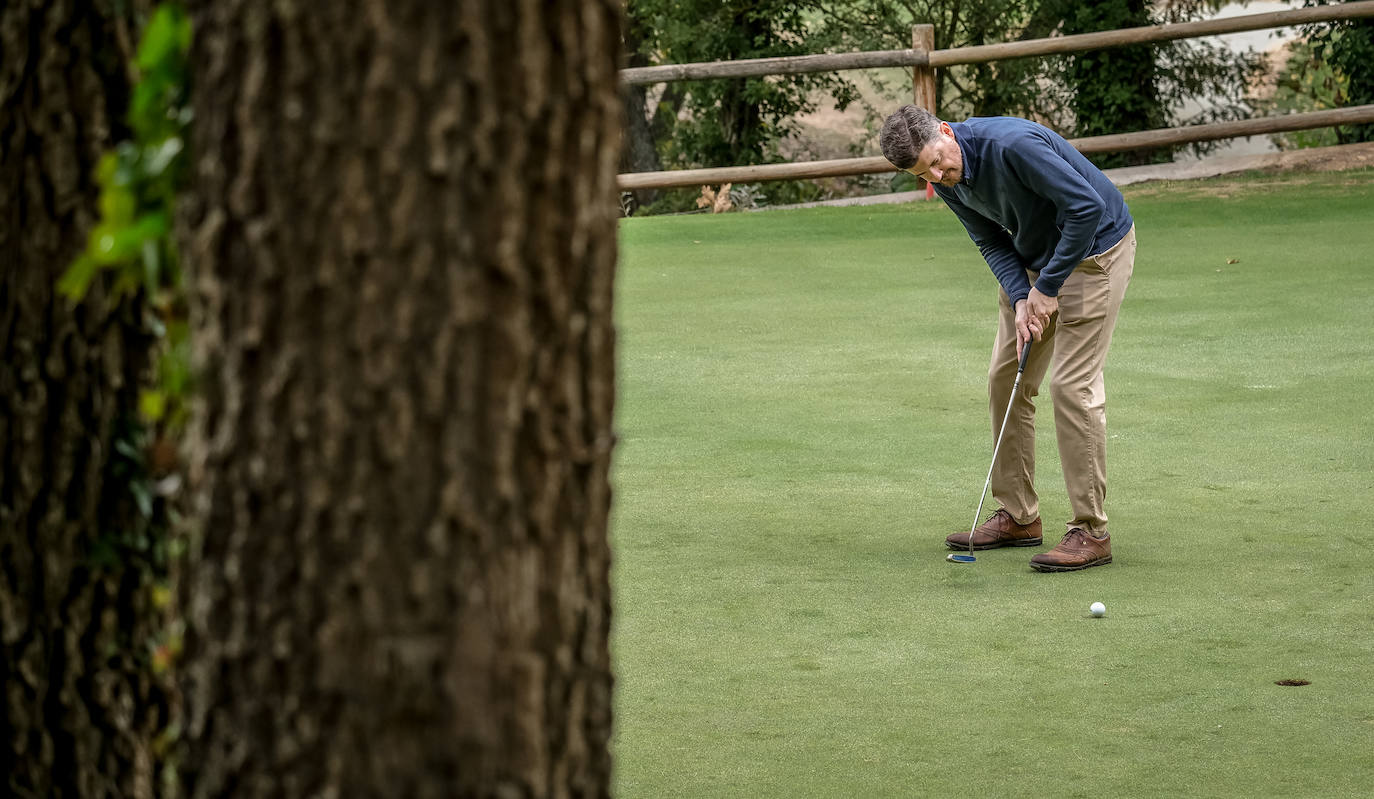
(1098, 609)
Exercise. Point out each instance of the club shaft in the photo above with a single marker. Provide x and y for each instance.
(997, 446)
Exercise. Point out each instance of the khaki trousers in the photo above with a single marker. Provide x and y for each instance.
(1076, 341)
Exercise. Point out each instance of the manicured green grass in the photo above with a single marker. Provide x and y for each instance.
(803, 417)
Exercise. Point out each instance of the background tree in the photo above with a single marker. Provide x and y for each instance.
(1305, 82)
(1115, 90)
(733, 121)
(1345, 50)
(79, 565)
(1017, 86)
(1330, 66)
(1146, 87)
(400, 236)
(639, 153)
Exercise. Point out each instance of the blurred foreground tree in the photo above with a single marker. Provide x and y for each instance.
(82, 705)
(400, 237)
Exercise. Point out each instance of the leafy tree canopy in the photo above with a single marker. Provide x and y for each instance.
(736, 122)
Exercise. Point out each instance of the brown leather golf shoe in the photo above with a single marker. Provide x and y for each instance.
(1078, 550)
(1000, 530)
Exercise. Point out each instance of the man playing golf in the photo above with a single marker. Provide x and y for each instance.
(1059, 239)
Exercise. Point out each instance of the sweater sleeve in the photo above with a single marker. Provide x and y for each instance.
(1079, 208)
(995, 243)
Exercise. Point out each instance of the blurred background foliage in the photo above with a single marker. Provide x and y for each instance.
(1331, 66)
(752, 121)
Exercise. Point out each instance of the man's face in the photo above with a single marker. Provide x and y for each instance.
(940, 161)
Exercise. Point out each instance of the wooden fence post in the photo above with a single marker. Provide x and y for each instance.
(923, 81)
(923, 78)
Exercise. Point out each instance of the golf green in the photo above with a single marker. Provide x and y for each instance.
(803, 417)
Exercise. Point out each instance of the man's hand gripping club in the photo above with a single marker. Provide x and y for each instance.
(1033, 317)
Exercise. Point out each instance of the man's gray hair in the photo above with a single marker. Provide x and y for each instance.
(906, 133)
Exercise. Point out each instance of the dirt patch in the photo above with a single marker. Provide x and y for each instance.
(1292, 682)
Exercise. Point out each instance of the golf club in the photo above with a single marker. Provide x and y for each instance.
(969, 558)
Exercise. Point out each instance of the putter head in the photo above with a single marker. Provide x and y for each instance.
(957, 558)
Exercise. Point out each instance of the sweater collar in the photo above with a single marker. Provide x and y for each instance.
(961, 137)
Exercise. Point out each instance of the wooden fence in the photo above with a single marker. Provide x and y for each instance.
(924, 59)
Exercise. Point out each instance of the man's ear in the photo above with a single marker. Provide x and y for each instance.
(946, 129)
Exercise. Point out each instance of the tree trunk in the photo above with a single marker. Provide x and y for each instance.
(401, 237)
(80, 705)
(740, 113)
(639, 153)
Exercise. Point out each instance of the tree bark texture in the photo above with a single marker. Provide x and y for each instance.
(401, 242)
(80, 704)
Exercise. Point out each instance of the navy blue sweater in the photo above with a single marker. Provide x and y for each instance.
(1029, 200)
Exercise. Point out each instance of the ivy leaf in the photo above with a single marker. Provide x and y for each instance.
(167, 36)
(128, 449)
(152, 405)
(143, 498)
(157, 159)
(117, 205)
(77, 279)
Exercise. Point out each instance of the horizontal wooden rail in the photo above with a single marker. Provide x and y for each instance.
(1118, 142)
(799, 170)
(830, 62)
(1148, 139)
(782, 65)
(1154, 33)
